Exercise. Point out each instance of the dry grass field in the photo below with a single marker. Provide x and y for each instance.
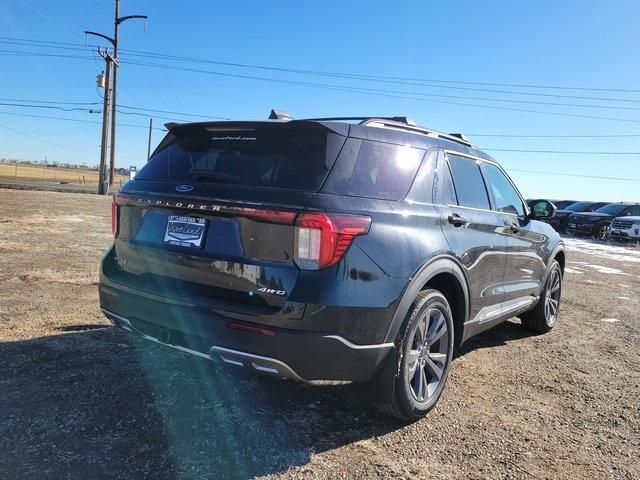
(38, 173)
(80, 399)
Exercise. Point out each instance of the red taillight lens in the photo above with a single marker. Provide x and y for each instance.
(322, 239)
(118, 199)
(269, 216)
(114, 216)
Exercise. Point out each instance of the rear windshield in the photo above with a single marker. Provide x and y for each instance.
(276, 155)
(612, 209)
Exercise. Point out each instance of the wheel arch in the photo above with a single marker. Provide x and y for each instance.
(442, 273)
(558, 254)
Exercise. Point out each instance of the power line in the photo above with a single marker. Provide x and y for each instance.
(363, 77)
(48, 19)
(76, 120)
(377, 78)
(563, 174)
(374, 92)
(393, 94)
(35, 102)
(43, 140)
(51, 107)
(174, 113)
(47, 101)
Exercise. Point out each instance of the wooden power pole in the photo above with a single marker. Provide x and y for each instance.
(114, 82)
(103, 182)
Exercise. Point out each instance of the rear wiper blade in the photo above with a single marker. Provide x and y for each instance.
(217, 176)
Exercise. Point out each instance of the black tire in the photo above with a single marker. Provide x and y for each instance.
(545, 314)
(425, 343)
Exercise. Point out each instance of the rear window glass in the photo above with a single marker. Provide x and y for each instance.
(280, 155)
(381, 170)
(469, 183)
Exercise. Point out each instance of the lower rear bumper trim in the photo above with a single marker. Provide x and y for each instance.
(255, 362)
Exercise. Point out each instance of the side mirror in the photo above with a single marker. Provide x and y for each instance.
(541, 209)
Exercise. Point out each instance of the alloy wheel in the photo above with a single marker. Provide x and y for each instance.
(603, 233)
(552, 296)
(427, 359)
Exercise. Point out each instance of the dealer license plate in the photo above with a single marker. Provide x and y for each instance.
(185, 231)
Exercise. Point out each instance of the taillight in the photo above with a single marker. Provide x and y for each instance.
(114, 216)
(118, 199)
(322, 239)
(269, 216)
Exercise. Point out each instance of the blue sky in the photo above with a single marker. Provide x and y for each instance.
(578, 44)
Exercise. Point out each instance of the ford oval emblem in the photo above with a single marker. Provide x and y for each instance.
(184, 188)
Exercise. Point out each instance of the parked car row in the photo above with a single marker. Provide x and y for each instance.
(602, 220)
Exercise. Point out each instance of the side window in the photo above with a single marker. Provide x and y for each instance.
(448, 191)
(634, 211)
(384, 171)
(505, 195)
(468, 181)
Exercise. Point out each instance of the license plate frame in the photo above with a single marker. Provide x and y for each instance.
(185, 231)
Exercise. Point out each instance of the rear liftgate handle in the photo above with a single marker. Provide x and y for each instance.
(456, 220)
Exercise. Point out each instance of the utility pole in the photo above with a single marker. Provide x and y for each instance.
(103, 182)
(116, 25)
(149, 143)
(114, 41)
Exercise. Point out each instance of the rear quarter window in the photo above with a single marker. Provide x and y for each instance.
(375, 170)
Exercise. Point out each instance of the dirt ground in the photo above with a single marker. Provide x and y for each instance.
(79, 399)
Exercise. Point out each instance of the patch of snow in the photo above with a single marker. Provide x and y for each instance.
(624, 286)
(624, 298)
(571, 270)
(590, 247)
(607, 270)
(610, 320)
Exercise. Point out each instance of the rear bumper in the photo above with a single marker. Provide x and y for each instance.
(309, 357)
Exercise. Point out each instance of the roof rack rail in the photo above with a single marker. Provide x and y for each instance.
(395, 124)
(405, 120)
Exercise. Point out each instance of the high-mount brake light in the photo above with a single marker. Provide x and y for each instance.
(322, 239)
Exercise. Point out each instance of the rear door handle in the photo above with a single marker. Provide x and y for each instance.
(456, 220)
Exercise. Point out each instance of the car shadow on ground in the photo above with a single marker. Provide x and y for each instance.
(498, 336)
(102, 404)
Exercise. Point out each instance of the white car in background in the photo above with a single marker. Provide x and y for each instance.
(625, 228)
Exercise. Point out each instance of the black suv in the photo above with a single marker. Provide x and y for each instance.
(328, 251)
(597, 223)
(560, 221)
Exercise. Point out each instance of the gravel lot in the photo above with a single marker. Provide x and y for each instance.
(79, 399)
